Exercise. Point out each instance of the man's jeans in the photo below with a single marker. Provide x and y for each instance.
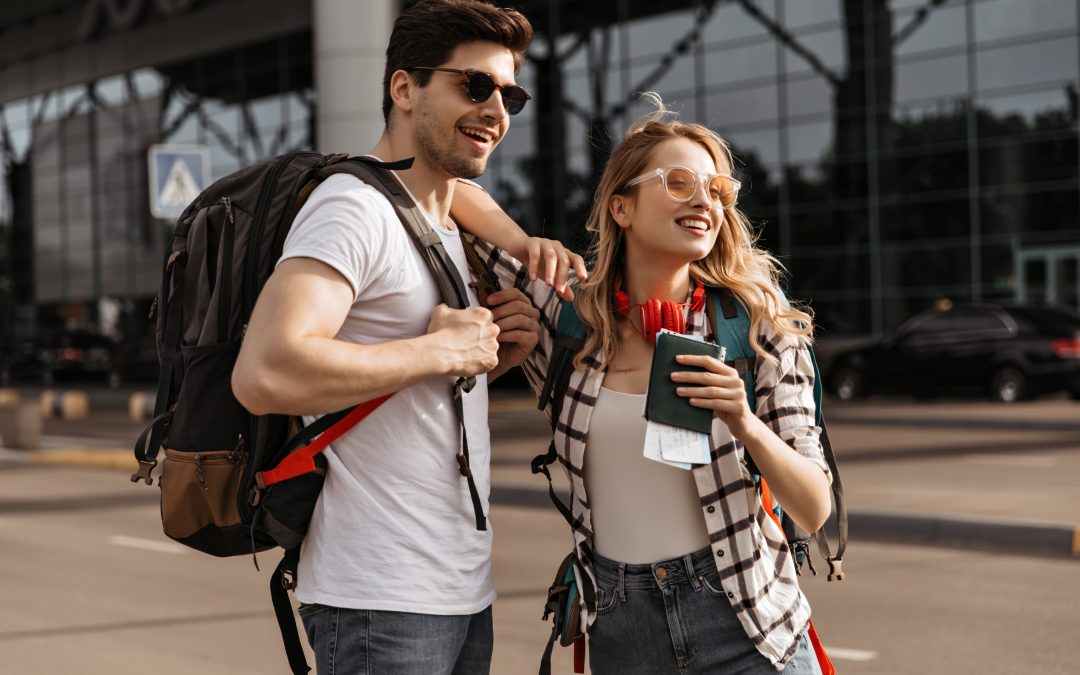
(369, 642)
(678, 621)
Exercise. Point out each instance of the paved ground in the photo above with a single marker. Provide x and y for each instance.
(90, 586)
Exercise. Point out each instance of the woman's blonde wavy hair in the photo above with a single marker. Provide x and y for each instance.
(735, 262)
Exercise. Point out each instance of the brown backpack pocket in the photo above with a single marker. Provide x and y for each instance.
(199, 498)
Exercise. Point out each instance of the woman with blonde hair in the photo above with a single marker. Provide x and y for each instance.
(691, 574)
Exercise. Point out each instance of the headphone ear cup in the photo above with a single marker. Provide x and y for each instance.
(653, 319)
(668, 316)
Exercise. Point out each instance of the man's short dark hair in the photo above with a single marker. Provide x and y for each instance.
(427, 33)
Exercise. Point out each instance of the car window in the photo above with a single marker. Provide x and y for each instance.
(1048, 319)
(963, 323)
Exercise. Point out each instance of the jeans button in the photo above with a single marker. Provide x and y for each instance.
(661, 573)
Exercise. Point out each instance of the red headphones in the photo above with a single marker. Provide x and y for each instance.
(658, 314)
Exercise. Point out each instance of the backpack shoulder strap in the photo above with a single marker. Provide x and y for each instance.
(377, 175)
(569, 340)
(731, 329)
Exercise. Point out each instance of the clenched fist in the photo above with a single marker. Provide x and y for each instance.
(467, 340)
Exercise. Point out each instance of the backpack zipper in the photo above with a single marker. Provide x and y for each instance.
(225, 300)
(262, 206)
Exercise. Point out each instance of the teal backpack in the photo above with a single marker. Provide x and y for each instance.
(731, 325)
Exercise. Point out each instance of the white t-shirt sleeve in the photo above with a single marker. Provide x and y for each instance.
(344, 225)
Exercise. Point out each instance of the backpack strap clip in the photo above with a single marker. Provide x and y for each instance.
(836, 569)
(146, 468)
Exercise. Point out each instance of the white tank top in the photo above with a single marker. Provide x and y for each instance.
(642, 511)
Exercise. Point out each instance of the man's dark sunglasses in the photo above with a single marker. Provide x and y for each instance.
(479, 86)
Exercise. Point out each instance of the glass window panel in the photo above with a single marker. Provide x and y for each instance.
(944, 27)
(147, 83)
(1044, 105)
(736, 64)
(807, 95)
(730, 22)
(922, 79)
(809, 142)
(801, 13)
(1043, 61)
(111, 91)
(764, 144)
(678, 76)
(826, 45)
(997, 19)
(739, 106)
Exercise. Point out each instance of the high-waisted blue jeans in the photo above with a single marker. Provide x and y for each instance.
(673, 616)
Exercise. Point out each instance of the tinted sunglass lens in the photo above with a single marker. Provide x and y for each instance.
(681, 184)
(479, 87)
(514, 98)
(722, 189)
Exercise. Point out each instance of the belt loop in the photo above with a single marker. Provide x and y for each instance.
(622, 582)
(691, 573)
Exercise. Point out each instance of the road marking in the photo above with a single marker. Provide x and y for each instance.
(1031, 461)
(147, 544)
(841, 654)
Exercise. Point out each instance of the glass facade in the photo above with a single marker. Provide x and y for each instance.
(78, 246)
(895, 153)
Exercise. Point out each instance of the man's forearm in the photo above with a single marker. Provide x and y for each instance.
(317, 375)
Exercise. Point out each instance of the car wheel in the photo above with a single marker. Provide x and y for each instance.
(847, 384)
(1008, 385)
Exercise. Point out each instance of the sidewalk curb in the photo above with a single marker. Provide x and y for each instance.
(1009, 536)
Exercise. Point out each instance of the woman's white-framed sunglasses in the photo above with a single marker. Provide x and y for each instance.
(681, 183)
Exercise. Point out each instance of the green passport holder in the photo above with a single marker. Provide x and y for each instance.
(662, 404)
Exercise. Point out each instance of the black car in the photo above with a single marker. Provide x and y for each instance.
(1009, 352)
(79, 354)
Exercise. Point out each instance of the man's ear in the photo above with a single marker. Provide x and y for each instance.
(403, 90)
(621, 208)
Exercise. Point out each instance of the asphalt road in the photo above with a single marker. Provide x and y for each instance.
(91, 586)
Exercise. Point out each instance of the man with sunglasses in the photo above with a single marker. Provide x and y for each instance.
(395, 572)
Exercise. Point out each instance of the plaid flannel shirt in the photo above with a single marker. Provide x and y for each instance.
(751, 554)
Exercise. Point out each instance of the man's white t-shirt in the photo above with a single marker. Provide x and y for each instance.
(394, 527)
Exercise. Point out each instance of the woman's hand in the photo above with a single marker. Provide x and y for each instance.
(718, 388)
(549, 259)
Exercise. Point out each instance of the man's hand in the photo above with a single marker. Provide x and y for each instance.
(519, 327)
(549, 259)
(467, 340)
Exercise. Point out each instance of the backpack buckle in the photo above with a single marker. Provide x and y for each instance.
(145, 468)
(836, 569)
(463, 466)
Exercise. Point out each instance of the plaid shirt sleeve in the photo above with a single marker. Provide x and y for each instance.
(785, 396)
(513, 274)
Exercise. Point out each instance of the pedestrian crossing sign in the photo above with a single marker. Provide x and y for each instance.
(178, 173)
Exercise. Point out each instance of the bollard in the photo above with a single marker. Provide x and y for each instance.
(9, 396)
(141, 406)
(20, 426)
(66, 405)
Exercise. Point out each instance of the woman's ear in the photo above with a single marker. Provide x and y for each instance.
(621, 209)
(402, 90)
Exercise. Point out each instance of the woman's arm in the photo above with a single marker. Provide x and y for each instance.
(798, 482)
(477, 213)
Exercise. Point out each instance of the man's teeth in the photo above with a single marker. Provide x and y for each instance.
(477, 134)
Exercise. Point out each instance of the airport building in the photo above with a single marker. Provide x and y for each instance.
(894, 153)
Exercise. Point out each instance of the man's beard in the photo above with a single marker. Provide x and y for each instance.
(444, 158)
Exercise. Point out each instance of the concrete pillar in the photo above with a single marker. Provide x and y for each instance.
(350, 53)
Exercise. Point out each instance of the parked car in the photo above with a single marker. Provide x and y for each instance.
(1009, 352)
(79, 353)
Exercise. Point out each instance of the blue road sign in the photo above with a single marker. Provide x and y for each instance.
(178, 173)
